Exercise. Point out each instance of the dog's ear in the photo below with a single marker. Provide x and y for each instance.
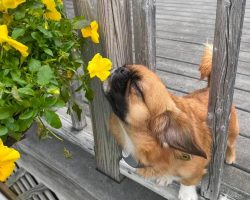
(177, 133)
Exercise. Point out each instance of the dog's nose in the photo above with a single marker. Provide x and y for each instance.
(122, 71)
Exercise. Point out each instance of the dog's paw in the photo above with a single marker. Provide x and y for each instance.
(164, 181)
(188, 193)
(230, 159)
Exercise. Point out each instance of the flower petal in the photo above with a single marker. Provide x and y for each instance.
(8, 155)
(99, 67)
(3, 33)
(53, 15)
(103, 75)
(94, 25)
(6, 170)
(86, 32)
(11, 4)
(18, 46)
(50, 4)
(95, 37)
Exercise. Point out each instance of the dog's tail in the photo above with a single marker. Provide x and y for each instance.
(206, 63)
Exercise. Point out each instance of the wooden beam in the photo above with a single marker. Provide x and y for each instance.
(228, 30)
(7, 192)
(114, 22)
(78, 121)
(144, 32)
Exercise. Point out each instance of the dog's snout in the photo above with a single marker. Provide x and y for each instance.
(122, 71)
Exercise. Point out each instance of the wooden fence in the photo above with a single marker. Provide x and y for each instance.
(122, 33)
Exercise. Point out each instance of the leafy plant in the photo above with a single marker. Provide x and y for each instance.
(36, 62)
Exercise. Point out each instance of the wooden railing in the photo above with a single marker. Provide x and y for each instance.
(118, 39)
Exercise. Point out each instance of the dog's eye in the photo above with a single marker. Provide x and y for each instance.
(137, 89)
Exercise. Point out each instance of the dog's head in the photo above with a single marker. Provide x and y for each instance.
(140, 99)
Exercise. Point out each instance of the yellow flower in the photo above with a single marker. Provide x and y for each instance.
(91, 31)
(99, 67)
(53, 15)
(52, 12)
(15, 44)
(53, 90)
(7, 158)
(6, 4)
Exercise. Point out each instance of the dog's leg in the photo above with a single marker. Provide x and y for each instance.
(231, 153)
(166, 180)
(147, 172)
(232, 136)
(188, 192)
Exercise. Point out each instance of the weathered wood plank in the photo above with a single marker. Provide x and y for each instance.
(7, 192)
(57, 184)
(34, 191)
(191, 28)
(192, 49)
(196, 38)
(191, 71)
(188, 85)
(14, 177)
(228, 30)
(191, 53)
(77, 98)
(115, 26)
(144, 32)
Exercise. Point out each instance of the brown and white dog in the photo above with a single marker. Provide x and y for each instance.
(168, 134)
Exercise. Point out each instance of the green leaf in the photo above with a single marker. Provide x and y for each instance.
(89, 94)
(36, 36)
(34, 65)
(48, 51)
(53, 119)
(45, 32)
(15, 94)
(78, 111)
(4, 113)
(16, 76)
(44, 75)
(26, 91)
(3, 130)
(59, 104)
(27, 114)
(80, 23)
(50, 101)
(17, 32)
(19, 14)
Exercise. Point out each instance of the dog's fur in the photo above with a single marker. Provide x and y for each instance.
(158, 128)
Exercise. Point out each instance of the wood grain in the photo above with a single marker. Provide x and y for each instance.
(144, 32)
(116, 44)
(228, 30)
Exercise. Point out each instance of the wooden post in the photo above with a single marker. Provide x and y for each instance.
(144, 32)
(114, 22)
(77, 98)
(228, 29)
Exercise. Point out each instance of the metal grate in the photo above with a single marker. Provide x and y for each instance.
(26, 187)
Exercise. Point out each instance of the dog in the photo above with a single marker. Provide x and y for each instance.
(167, 134)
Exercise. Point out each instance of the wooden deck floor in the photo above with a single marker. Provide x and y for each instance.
(182, 28)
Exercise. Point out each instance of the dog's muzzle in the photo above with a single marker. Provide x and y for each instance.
(107, 83)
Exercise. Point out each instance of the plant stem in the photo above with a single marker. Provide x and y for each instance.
(51, 132)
